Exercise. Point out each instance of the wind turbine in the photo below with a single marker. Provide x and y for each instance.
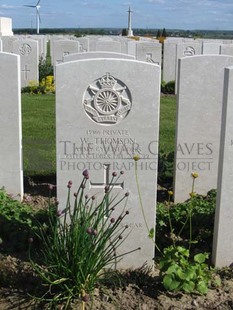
(38, 20)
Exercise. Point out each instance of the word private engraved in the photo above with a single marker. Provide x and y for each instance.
(108, 101)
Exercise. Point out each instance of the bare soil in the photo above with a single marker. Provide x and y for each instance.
(138, 289)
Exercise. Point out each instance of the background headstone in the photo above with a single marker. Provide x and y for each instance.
(89, 55)
(149, 52)
(211, 48)
(100, 103)
(223, 229)
(6, 26)
(29, 60)
(11, 173)
(199, 110)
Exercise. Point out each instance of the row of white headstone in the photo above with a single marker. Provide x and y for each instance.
(31, 48)
(107, 111)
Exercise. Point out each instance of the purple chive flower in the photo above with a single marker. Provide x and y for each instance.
(75, 194)
(126, 194)
(122, 172)
(114, 174)
(86, 174)
(127, 212)
(126, 226)
(69, 185)
(120, 237)
(93, 197)
(89, 230)
(106, 189)
(112, 220)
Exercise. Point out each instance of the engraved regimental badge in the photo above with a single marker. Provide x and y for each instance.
(108, 101)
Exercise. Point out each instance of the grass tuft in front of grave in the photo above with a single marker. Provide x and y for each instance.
(83, 242)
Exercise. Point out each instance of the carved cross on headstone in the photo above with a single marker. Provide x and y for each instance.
(107, 180)
(25, 71)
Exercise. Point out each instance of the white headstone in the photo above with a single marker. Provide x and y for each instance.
(199, 110)
(7, 43)
(211, 48)
(62, 48)
(169, 61)
(29, 60)
(100, 104)
(226, 49)
(149, 52)
(108, 46)
(89, 55)
(223, 228)
(6, 26)
(11, 173)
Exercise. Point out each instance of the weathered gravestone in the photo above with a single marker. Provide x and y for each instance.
(64, 47)
(149, 52)
(169, 61)
(211, 48)
(88, 55)
(186, 49)
(11, 173)
(107, 112)
(29, 60)
(107, 46)
(226, 49)
(223, 229)
(199, 110)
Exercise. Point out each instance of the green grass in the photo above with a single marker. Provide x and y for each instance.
(167, 124)
(38, 115)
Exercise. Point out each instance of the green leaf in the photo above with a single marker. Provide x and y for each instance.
(181, 274)
(59, 281)
(151, 233)
(200, 258)
(169, 283)
(202, 287)
(188, 287)
(172, 269)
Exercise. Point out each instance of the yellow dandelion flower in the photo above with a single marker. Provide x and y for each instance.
(136, 157)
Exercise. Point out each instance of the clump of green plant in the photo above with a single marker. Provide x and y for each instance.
(83, 242)
(45, 69)
(203, 210)
(181, 273)
(178, 269)
(18, 222)
(165, 168)
(168, 88)
(15, 222)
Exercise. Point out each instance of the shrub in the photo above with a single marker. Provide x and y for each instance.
(45, 69)
(168, 88)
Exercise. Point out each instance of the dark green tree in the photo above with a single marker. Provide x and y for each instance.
(164, 33)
